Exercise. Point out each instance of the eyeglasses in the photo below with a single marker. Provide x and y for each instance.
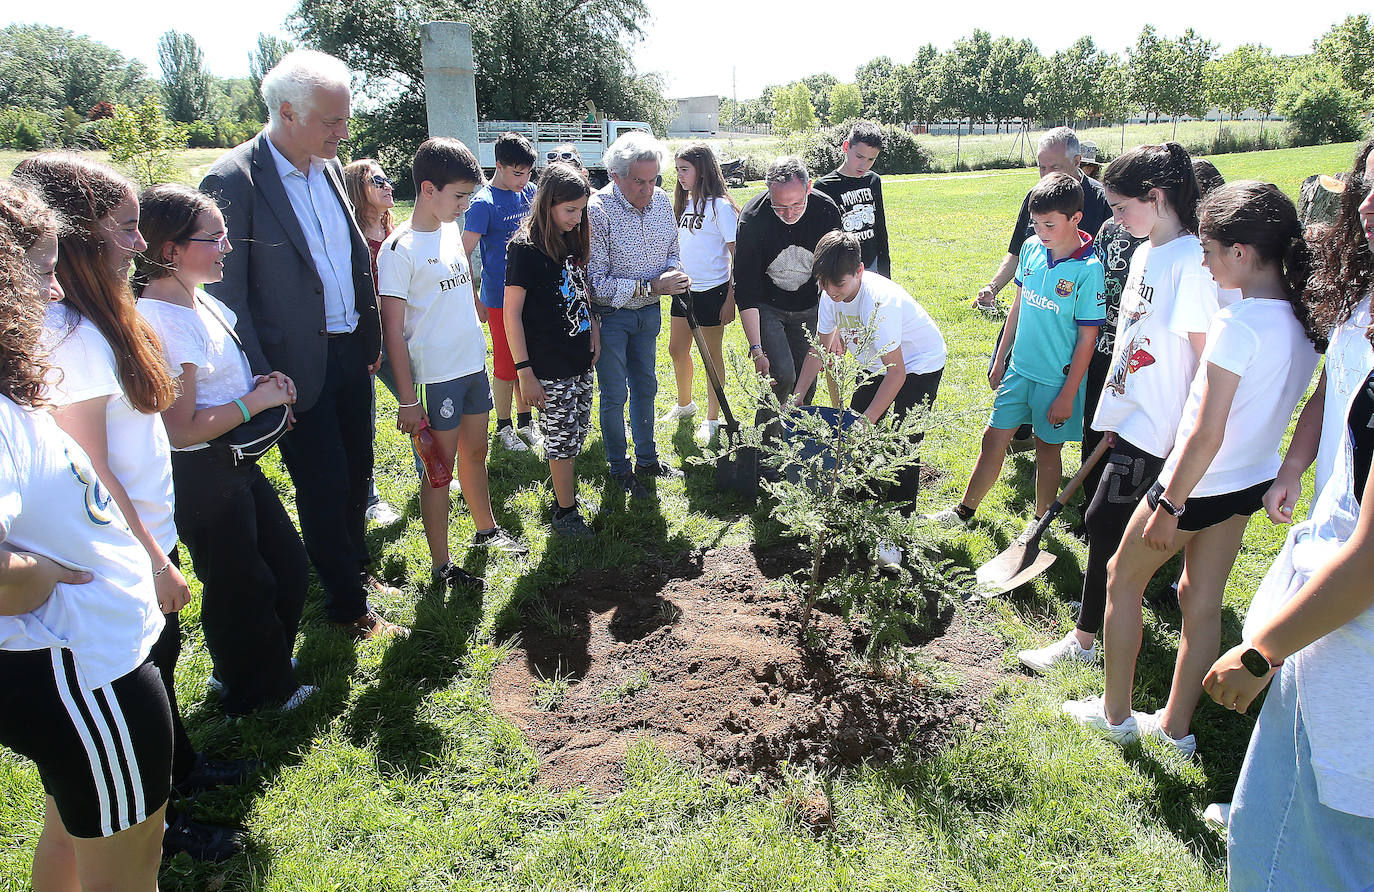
(219, 241)
(561, 156)
(797, 208)
(380, 181)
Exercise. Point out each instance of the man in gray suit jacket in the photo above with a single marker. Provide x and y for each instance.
(300, 281)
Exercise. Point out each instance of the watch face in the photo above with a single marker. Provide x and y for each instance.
(1255, 662)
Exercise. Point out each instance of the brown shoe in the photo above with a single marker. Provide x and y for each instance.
(369, 626)
(376, 588)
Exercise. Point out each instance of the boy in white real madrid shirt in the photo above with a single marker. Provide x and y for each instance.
(437, 350)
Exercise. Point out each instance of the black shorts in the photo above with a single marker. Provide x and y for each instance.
(105, 755)
(706, 304)
(1201, 512)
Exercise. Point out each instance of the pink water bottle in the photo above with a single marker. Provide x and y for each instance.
(425, 446)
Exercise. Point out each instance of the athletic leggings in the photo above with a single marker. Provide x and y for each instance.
(1128, 475)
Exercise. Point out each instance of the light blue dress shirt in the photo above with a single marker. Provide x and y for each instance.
(325, 222)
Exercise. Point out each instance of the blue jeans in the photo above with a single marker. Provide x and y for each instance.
(1280, 835)
(629, 354)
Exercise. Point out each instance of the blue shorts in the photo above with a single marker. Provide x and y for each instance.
(1022, 401)
(446, 402)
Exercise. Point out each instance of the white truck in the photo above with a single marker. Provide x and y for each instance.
(590, 140)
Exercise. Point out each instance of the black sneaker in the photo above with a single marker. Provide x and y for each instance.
(659, 468)
(202, 842)
(210, 773)
(453, 576)
(633, 488)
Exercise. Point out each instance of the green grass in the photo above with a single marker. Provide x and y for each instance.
(399, 775)
(191, 165)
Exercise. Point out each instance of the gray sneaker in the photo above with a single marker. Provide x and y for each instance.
(572, 526)
(500, 540)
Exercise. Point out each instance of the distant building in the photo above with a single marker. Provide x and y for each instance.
(696, 116)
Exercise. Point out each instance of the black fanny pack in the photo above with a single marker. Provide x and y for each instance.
(251, 439)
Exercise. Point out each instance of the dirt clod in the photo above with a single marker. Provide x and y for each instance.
(722, 680)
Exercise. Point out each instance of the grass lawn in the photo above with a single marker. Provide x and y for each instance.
(400, 776)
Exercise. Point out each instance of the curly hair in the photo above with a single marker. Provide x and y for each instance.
(1343, 266)
(1249, 212)
(24, 219)
(83, 192)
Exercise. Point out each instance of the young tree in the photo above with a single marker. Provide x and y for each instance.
(846, 103)
(143, 142)
(1348, 48)
(185, 82)
(792, 109)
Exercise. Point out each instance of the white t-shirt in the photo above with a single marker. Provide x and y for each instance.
(1349, 360)
(52, 504)
(897, 319)
(1167, 296)
(139, 455)
(702, 238)
(1262, 342)
(429, 271)
(196, 336)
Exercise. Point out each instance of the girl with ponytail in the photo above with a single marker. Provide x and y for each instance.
(1257, 364)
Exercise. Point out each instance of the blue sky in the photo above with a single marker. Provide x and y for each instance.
(699, 44)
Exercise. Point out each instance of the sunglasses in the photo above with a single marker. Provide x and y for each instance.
(380, 181)
(561, 156)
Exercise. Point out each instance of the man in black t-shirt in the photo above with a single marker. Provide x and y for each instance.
(774, 290)
(1057, 152)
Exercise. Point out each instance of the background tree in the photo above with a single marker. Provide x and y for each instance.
(879, 81)
(846, 103)
(1185, 85)
(1348, 48)
(792, 109)
(960, 73)
(918, 85)
(185, 82)
(48, 69)
(819, 85)
(1067, 83)
(269, 51)
(143, 142)
(1148, 71)
(1008, 81)
(1320, 108)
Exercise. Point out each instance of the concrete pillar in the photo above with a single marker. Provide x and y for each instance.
(450, 81)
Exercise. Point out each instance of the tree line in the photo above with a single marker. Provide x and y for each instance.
(993, 82)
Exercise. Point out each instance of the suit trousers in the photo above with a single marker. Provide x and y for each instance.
(252, 570)
(329, 456)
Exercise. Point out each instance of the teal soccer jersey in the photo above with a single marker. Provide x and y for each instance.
(1057, 296)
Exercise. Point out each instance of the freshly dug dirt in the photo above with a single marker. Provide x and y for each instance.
(703, 657)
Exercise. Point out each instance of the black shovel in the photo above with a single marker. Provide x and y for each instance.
(738, 470)
(1023, 560)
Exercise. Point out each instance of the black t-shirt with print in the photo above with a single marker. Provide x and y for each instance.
(1362, 434)
(1114, 247)
(556, 316)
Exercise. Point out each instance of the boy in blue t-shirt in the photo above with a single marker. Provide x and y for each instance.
(491, 220)
(1053, 324)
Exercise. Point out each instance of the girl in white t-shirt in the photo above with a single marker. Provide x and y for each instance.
(1310, 627)
(1257, 364)
(78, 612)
(247, 554)
(707, 218)
(1166, 307)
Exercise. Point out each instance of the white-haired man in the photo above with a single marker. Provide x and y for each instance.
(634, 261)
(300, 282)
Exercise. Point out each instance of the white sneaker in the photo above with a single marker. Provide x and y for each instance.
(948, 518)
(1065, 650)
(888, 555)
(382, 514)
(708, 429)
(454, 485)
(302, 694)
(531, 434)
(510, 438)
(1026, 533)
(1151, 725)
(1218, 814)
(1088, 712)
(677, 412)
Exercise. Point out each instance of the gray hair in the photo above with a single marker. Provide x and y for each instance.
(296, 78)
(786, 169)
(632, 148)
(1060, 136)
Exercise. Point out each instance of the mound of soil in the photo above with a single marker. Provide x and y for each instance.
(703, 657)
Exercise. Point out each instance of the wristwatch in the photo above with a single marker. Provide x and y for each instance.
(1256, 663)
(1175, 510)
